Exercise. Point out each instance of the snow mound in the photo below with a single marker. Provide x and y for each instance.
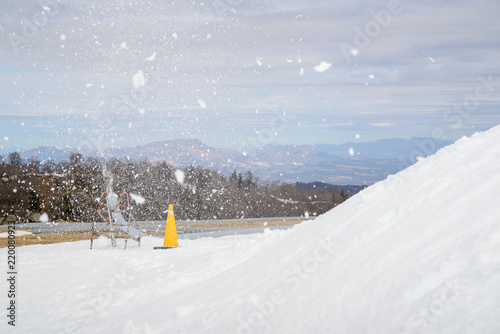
(418, 252)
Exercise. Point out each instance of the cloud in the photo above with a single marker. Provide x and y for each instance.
(383, 125)
(247, 58)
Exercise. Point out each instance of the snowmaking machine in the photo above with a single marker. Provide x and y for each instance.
(119, 222)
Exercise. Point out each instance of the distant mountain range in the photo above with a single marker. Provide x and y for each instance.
(350, 163)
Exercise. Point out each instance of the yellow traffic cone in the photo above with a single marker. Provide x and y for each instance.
(170, 231)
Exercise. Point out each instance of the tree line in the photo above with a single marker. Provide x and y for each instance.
(71, 190)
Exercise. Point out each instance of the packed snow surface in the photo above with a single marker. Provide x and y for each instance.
(416, 253)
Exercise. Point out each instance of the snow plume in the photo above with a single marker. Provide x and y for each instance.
(107, 176)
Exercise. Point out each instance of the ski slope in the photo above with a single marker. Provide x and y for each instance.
(416, 253)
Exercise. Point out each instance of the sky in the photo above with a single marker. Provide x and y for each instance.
(240, 73)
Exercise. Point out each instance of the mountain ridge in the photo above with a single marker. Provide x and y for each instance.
(350, 163)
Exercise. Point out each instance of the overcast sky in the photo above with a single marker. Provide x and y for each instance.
(241, 73)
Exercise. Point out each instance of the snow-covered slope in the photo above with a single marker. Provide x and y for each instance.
(416, 253)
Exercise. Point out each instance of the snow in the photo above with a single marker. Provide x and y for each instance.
(18, 233)
(286, 201)
(322, 67)
(152, 57)
(138, 79)
(138, 198)
(416, 253)
(202, 103)
(179, 176)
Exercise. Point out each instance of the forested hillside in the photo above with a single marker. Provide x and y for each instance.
(71, 191)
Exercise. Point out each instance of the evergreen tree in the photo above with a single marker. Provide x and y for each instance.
(249, 181)
(34, 202)
(240, 180)
(15, 159)
(234, 177)
(343, 195)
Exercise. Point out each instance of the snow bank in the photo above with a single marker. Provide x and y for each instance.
(416, 253)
